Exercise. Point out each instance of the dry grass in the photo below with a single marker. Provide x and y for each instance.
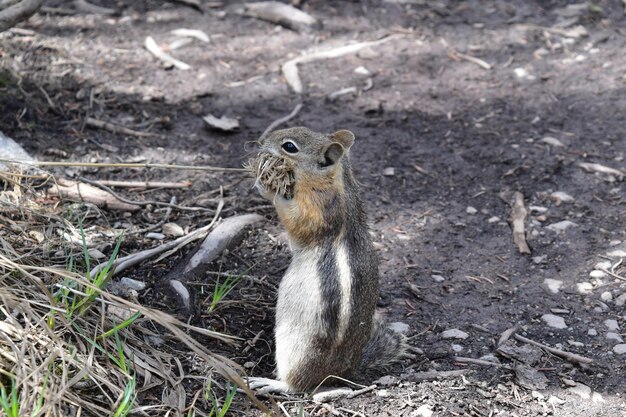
(68, 347)
(275, 174)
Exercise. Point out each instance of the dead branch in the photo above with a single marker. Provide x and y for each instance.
(142, 185)
(518, 215)
(290, 68)
(115, 128)
(126, 262)
(123, 165)
(77, 191)
(280, 121)
(159, 53)
(15, 13)
(279, 13)
(572, 357)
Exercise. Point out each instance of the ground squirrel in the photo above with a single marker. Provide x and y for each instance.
(325, 321)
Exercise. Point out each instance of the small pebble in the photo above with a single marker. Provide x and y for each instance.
(553, 321)
(603, 265)
(438, 278)
(96, 254)
(611, 324)
(454, 334)
(382, 393)
(399, 327)
(537, 395)
(471, 210)
(552, 141)
(361, 70)
(606, 296)
(172, 229)
(494, 219)
(540, 259)
(592, 332)
(575, 343)
(133, 284)
(490, 358)
(584, 288)
(156, 236)
(598, 274)
(389, 172)
(561, 197)
(537, 209)
(423, 411)
(249, 365)
(617, 254)
(620, 349)
(553, 285)
(456, 348)
(614, 336)
(561, 226)
(620, 300)
(583, 391)
(385, 381)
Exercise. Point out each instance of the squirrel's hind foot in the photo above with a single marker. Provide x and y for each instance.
(264, 386)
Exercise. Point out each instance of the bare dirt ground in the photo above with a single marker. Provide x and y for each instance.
(443, 141)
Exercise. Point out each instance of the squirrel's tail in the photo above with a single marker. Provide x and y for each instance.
(384, 348)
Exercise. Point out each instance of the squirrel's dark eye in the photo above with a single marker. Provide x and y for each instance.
(290, 147)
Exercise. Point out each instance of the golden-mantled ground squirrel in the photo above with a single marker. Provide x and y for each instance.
(325, 321)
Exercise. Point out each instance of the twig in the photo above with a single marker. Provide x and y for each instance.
(518, 215)
(114, 128)
(280, 121)
(290, 68)
(472, 59)
(462, 359)
(123, 165)
(144, 184)
(155, 50)
(572, 357)
(126, 262)
(361, 391)
(614, 275)
(589, 167)
(16, 13)
(433, 375)
(140, 203)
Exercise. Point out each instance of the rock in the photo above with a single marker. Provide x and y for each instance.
(540, 259)
(527, 354)
(596, 397)
(592, 332)
(555, 400)
(173, 230)
(583, 391)
(530, 378)
(120, 312)
(490, 358)
(438, 278)
(361, 70)
(399, 327)
(598, 274)
(382, 393)
(575, 343)
(554, 321)
(584, 288)
(423, 410)
(389, 172)
(614, 336)
(385, 381)
(561, 197)
(226, 124)
(553, 285)
(603, 265)
(154, 235)
(537, 395)
(249, 365)
(456, 348)
(561, 226)
(133, 284)
(606, 296)
(620, 349)
(617, 254)
(537, 209)
(96, 254)
(620, 300)
(454, 334)
(520, 72)
(494, 219)
(9, 149)
(471, 210)
(552, 141)
(611, 324)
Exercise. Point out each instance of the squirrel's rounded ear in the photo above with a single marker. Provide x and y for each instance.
(343, 137)
(332, 154)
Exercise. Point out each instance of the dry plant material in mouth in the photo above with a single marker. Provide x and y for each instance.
(274, 173)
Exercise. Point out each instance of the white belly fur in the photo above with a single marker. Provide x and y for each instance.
(299, 307)
(298, 311)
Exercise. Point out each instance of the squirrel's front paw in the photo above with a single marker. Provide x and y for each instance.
(264, 386)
